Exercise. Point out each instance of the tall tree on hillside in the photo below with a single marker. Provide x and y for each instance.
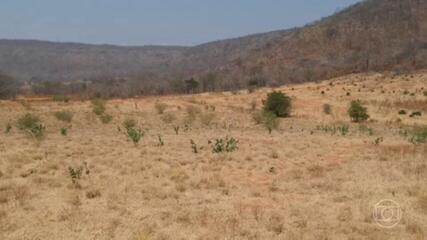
(191, 85)
(9, 87)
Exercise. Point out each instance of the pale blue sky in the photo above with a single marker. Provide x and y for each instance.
(157, 22)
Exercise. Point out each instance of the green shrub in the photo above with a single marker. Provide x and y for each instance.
(279, 104)
(64, 116)
(160, 107)
(402, 112)
(271, 121)
(75, 173)
(415, 114)
(135, 134)
(225, 145)
(357, 112)
(106, 118)
(341, 129)
(31, 124)
(419, 135)
(98, 106)
(268, 119)
(64, 131)
(425, 93)
(129, 123)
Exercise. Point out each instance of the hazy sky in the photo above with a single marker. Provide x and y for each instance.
(158, 22)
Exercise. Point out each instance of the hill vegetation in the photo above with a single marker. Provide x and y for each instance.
(373, 35)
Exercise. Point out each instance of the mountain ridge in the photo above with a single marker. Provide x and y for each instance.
(372, 35)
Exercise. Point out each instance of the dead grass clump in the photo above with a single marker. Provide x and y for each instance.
(64, 116)
(168, 118)
(160, 107)
(207, 118)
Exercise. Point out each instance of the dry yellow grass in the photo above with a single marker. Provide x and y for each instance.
(300, 182)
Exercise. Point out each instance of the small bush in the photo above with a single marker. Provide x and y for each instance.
(106, 118)
(268, 119)
(135, 134)
(31, 124)
(64, 116)
(327, 109)
(225, 145)
(160, 107)
(425, 93)
(75, 173)
(419, 135)
(129, 123)
(64, 131)
(402, 112)
(357, 112)
(415, 114)
(98, 106)
(279, 104)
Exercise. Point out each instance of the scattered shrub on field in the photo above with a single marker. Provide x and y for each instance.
(64, 116)
(425, 93)
(271, 121)
(357, 112)
(106, 118)
(64, 131)
(366, 129)
(419, 135)
(129, 123)
(279, 104)
(31, 124)
(135, 134)
(75, 173)
(268, 119)
(415, 114)
(343, 130)
(160, 107)
(98, 106)
(224, 145)
(327, 109)
(378, 140)
(402, 112)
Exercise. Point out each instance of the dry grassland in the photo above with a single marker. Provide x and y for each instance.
(304, 181)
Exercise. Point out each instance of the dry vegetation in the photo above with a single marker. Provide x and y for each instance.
(317, 176)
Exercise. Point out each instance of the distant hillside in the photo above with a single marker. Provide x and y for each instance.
(371, 35)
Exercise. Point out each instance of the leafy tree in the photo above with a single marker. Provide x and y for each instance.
(279, 104)
(9, 87)
(191, 85)
(357, 112)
